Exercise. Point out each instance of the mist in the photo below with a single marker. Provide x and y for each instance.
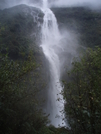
(10, 3)
(72, 3)
(52, 3)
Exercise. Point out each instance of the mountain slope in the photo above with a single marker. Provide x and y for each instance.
(19, 30)
(85, 22)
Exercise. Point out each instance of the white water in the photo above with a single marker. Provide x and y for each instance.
(50, 44)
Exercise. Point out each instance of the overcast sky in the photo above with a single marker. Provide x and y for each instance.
(94, 3)
(59, 3)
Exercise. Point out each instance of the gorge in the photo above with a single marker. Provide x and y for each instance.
(39, 44)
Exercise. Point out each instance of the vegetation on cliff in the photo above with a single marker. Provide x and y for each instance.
(84, 21)
(22, 77)
(83, 94)
(20, 31)
(20, 71)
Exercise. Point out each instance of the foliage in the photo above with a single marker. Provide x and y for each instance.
(19, 106)
(20, 110)
(53, 130)
(83, 94)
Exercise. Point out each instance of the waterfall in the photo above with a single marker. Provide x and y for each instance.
(50, 44)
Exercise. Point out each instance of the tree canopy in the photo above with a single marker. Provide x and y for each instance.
(83, 94)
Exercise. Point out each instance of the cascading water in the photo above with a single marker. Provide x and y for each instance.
(50, 45)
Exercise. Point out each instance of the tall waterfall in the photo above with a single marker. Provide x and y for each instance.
(50, 45)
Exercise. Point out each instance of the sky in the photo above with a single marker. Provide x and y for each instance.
(66, 3)
(56, 3)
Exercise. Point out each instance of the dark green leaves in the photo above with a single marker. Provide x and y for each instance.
(83, 93)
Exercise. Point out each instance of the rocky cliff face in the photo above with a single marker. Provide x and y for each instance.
(20, 37)
(20, 30)
(86, 23)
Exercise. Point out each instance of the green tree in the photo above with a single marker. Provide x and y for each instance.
(19, 105)
(83, 94)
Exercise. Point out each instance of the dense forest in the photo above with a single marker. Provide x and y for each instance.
(23, 77)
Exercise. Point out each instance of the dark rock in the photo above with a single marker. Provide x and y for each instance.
(20, 30)
(83, 21)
